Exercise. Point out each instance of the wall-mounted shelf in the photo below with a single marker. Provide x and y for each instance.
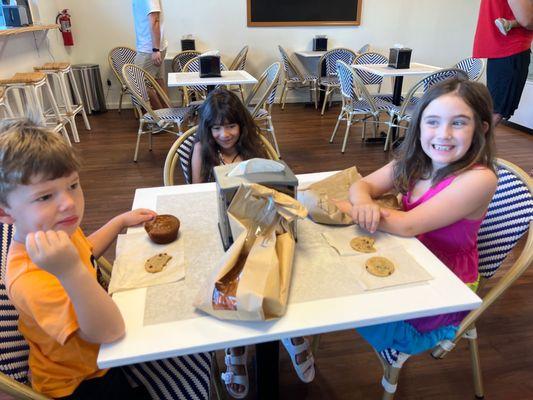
(24, 29)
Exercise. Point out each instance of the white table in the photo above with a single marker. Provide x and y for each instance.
(193, 78)
(445, 293)
(397, 73)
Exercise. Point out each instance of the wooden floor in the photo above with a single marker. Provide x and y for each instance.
(346, 366)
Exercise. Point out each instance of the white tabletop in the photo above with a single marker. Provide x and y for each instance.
(385, 70)
(310, 54)
(445, 293)
(193, 78)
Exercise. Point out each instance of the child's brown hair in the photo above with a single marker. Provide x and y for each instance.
(28, 150)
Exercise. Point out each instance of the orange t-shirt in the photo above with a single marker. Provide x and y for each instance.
(59, 359)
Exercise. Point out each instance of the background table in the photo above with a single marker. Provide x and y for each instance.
(239, 77)
(445, 293)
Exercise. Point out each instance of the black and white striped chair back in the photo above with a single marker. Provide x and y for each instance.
(185, 154)
(472, 66)
(272, 76)
(365, 48)
(369, 78)
(119, 57)
(332, 56)
(136, 80)
(347, 87)
(290, 71)
(14, 349)
(182, 58)
(239, 62)
(440, 76)
(507, 219)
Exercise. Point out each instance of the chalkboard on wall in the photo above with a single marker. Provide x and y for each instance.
(303, 12)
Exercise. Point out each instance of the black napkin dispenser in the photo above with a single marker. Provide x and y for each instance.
(320, 44)
(187, 44)
(400, 58)
(209, 66)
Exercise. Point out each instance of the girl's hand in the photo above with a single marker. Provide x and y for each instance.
(136, 217)
(52, 251)
(368, 215)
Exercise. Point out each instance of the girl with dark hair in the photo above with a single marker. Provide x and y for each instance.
(228, 134)
(444, 170)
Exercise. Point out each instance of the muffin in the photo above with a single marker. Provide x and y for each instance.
(163, 229)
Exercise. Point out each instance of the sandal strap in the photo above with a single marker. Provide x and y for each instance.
(304, 367)
(231, 360)
(296, 348)
(230, 377)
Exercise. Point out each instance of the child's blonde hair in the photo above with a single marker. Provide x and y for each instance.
(28, 150)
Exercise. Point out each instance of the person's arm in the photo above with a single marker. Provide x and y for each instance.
(196, 163)
(523, 12)
(98, 317)
(466, 197)
(103, 237)
(155, 30)
(365, 211)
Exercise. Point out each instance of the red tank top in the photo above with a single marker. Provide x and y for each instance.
(489, 42)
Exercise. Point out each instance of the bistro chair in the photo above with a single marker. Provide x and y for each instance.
(356, 100)
(295, 78)
(117, 58)
(181, 151)
(4, 104)
(369, 78)
(330, 82)
(400, 116)
(151, 121)
(365, 48)
(238, 64)
(508, 218)
(180, 378)
(177, 64)
(259, 100)
(199, 91)
(474, 67)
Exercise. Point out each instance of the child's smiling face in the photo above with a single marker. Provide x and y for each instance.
(55, 204)
(226, 135)
(447, 127)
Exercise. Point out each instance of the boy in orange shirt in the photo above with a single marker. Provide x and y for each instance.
(51, 278)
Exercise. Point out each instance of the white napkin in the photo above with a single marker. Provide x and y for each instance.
(340, 238)
(406, 269)
(132, 252)
(255, 165)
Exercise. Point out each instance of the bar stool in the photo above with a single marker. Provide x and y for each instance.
(4, 104)
(62, 71)
(30, 88)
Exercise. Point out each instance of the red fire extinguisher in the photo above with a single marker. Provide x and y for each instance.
(63, 19)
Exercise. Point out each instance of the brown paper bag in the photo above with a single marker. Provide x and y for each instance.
(253, 278)
(319, 198)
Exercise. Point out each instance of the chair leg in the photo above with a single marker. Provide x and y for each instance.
(120, 101)
(139, 133)
(348, 124)
(242, 93)
(326, 95)
(78, 100)
(476, 367)
(273, 134)
(315, 343)
(336, 126)
(283, 94)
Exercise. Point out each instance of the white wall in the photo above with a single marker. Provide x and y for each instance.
(440, 33)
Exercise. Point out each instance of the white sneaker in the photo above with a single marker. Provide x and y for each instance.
(503, 25)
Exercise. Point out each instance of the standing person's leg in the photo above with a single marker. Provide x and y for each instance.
(506, 78)
(144, 60)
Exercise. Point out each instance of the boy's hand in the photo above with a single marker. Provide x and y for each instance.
(52, 251)
(136, 217)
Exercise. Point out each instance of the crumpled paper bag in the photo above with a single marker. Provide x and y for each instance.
(252, 280)
(319, 198)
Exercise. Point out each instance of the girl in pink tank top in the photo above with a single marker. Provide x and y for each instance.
(444, 171)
